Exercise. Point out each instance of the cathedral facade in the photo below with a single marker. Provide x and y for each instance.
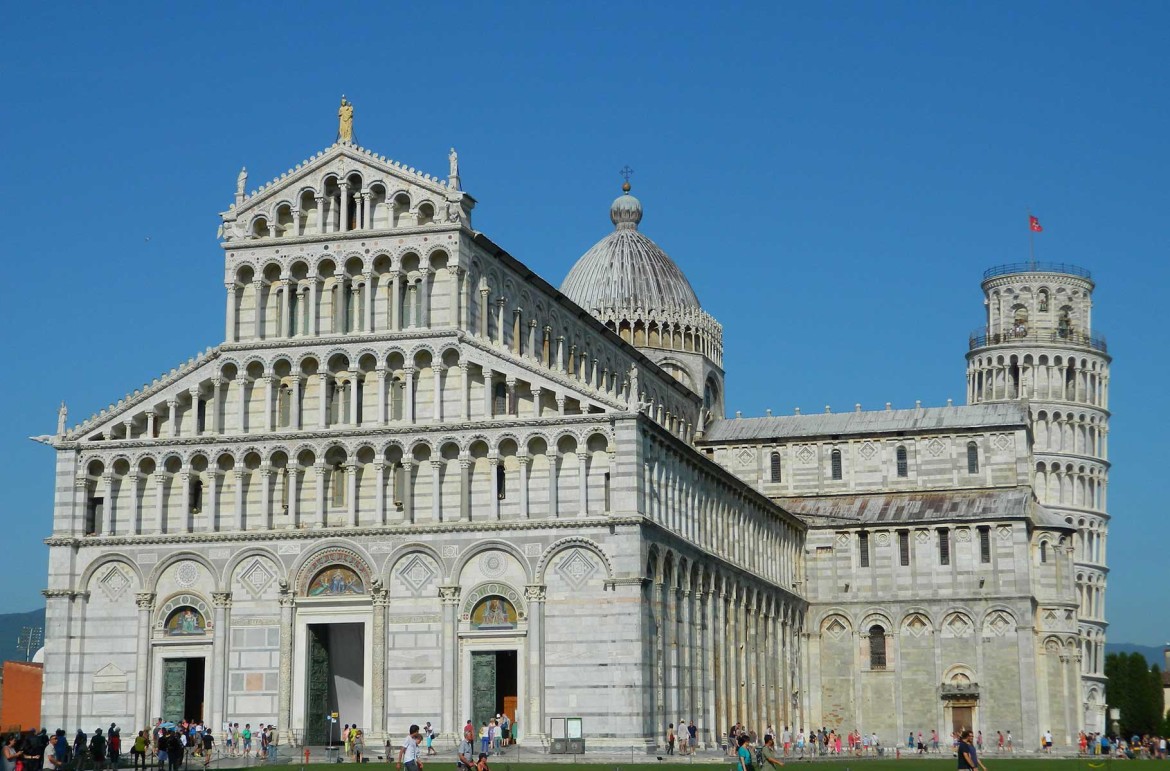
(418, 482)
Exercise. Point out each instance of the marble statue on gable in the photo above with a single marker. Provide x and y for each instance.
(345, 121)
(62, 416)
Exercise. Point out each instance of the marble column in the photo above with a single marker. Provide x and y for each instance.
(494, 475)
(379, 492)
(523, 462)
(145, 602)
(381, 599)
(241, 403)
(322, 400)
(211, 502)
(449, 596)
(535, 595)
(230, 323)
(464, 488)
(258, 309)
(294, 407)
(709, 656)
(221, 612)
(287, 602)
(553, 461)
(351, 497)
(436, 489)
(135, 513)
(408, 490)
(465, 399)
(319, 472)
(408, 395)
(437, 409)
(294, 492)
(380, 381)
(160, 501)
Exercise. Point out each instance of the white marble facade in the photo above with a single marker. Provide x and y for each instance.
(413, 452)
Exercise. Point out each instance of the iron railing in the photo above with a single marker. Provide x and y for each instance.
(1037, 267)
(981, 338)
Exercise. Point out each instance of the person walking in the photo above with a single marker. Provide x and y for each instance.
(408, 753)
(359, 745)
(429, 733)
(208, 747)
(968, 756)
(670, 739)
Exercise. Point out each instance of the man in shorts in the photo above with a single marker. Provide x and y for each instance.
(246, 738)
(208, 746)
(692, 737)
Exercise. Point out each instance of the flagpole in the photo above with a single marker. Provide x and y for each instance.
(1031, 241)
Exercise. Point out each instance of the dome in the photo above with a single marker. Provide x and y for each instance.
(626, 269)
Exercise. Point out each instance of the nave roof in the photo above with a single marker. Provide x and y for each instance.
(896, 508)
(917, 420)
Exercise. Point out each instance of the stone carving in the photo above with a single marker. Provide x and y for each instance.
(935, 447)
(532, 549)
(746, 456)
(805, 454)
(868, 450)
(241, 183)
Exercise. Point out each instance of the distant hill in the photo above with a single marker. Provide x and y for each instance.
(10, 626)
(1153, 653)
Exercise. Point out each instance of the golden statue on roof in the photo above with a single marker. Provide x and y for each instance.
(345, 121)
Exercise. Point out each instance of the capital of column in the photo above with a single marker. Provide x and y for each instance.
(172, 403)
(319, 468)
(493, 460)
(144, 600)
(464, 463)
(221, 599)
(449, 594)
(194, 391)
(523, 460)
(501, 301)
(381, 596)
(379, 465)
(532, 323)
(510, 381)
(230, 286)
(409, 371)
(535, 592)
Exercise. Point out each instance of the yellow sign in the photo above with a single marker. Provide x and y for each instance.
(334, 715)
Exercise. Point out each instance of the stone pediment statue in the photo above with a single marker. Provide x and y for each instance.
(345, 121)
(62, 417)
(241, 183)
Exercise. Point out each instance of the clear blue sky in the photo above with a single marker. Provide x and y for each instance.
(833, 178)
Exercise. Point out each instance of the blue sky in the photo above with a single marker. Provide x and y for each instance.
(833, 178)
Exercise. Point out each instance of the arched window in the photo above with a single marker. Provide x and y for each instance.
(1043, 301)
(972, 458)
(775, 467)
(1043, 552)
(877, 647)
(835, 463)
(903, 464)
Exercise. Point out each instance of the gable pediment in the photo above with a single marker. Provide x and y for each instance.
(343, 161)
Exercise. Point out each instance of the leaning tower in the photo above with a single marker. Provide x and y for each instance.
(1039, 346)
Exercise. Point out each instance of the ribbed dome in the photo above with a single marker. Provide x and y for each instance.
(628, 270)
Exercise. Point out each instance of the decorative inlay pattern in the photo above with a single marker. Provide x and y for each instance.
(256, 578)
(576, 568)
(868, 450)
(187, 574)
(935, 447)
(416, 573)
(114, 583)
(492, 564)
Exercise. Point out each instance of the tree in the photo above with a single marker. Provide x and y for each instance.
(1135, 688)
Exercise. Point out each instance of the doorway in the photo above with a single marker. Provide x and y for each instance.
(493, 685)
(183, 688)
(335, 680)
(962, 718)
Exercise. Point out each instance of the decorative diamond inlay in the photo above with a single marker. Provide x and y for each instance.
(745, 456)
(922, 537)
(835, 628)
(256, 578)
(999, 625)
(958, 625)
(416, 573)
(805, 454)
(868, 450)
(935, 447)
(917, 626)
(114, 583)
(577, 568)
(1003, 441)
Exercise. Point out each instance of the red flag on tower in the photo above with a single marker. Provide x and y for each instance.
(1034, 224)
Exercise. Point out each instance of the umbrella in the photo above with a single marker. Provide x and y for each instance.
(168, 725)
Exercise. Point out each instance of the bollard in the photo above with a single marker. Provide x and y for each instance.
(306, 756)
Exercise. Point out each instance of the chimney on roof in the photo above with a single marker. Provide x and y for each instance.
(950, 402)
(827, 410)
(888, 407)
(738, 414)
(857, 407)
(797, 411)
(768, 412)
